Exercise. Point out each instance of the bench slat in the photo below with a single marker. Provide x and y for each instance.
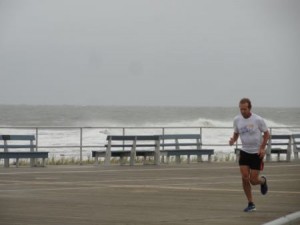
(98, 153)
(17, 146)
(133, 137)
(295, 136)
(180, 136)
(280, 136)
(17, 137)
(189, 152)
(279, 150)
(130, 145)
(7, 155)
(179, 144)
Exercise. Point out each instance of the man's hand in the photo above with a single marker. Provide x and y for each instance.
(233, 138)
(231, 141)
(262, 153)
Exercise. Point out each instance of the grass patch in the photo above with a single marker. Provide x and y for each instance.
(62, 160)
(223, 157)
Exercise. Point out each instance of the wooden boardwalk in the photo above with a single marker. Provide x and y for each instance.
(204, 193)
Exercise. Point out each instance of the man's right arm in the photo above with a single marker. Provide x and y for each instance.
(234, 138)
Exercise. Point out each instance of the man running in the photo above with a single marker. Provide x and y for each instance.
(249, 127)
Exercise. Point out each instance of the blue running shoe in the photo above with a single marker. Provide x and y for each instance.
(264, 186)
(250, 208)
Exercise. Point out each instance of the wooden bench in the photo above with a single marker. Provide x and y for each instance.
(279, 144)
(183, 145)
(124, 146)
(296, 145)
(32, 155)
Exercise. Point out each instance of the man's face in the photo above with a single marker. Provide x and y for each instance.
(244, 109)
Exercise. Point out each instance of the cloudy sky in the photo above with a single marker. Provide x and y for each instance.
(150, 52)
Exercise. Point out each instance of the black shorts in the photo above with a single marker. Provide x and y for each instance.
(251, 160)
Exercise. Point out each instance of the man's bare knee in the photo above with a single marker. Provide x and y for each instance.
(254, 181)
(245, 179)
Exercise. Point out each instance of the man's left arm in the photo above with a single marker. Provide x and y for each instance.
(262, 149)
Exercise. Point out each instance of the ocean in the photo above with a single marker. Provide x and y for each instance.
(26, 115)
(59, 126)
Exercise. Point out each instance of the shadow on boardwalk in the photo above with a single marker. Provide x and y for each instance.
(205, 193)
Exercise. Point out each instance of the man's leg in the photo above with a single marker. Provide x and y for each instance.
(245, 172)
(255, 179)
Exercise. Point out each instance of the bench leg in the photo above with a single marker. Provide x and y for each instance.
(44, 162)
(122, 160)
(296, 156)
(209, 158)
(17, 162)
(178, 159)
(132, 159)
(107, 159)
(199, 158)
(288, 157)
(32, 162)
(96, 160)
(156, 159)
(188, 159)
(6, 162)
(268, 157)
(237, 156)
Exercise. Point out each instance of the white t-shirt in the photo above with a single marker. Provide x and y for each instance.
(250, 131)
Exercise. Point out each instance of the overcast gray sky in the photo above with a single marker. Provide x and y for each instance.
(150, 52)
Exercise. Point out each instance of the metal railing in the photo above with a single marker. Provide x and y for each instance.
(79, 141)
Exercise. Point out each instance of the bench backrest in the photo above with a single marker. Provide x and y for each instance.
(131, 141)
(180, 136)
(296, 141)
(180, 140)
(164, 141)
(279, 140)
(13, 138)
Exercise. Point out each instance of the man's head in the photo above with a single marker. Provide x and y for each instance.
(245, 107)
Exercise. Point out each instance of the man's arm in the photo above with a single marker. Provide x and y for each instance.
(265, 139)
(262, 151)
(234, 138)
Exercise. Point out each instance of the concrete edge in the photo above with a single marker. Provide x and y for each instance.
(291, 219)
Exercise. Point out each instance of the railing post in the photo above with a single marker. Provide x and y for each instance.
(80, 160)
(123, 132)
(6, 161)
(36, 139)
(163, 133)
(269, 155)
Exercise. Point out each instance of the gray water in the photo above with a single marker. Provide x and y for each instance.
(26, 115)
